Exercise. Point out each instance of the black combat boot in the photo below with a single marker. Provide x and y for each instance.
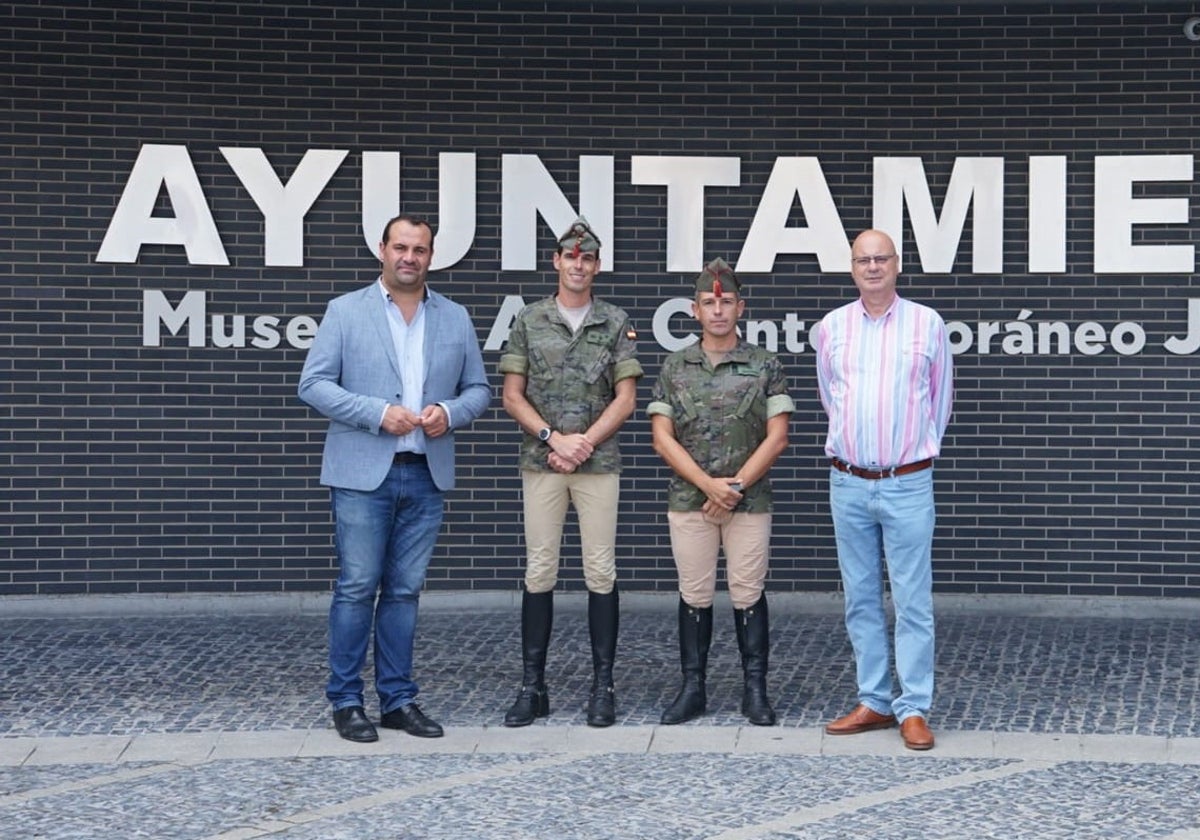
(533, 701)
(754, 639)
(603, 616)
(695, 638)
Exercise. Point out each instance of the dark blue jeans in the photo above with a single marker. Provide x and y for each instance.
(384, 540)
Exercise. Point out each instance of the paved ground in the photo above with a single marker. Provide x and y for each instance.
(214, 725)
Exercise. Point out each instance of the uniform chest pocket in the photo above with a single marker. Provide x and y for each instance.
(753, 402)
(547, 362)
(597, 347)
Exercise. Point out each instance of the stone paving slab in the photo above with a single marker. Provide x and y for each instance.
(86, 749)
(191, 726)
(1183, 750)
(181, 747)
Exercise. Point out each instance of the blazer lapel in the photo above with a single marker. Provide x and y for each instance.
(377, 315)
(431, 327)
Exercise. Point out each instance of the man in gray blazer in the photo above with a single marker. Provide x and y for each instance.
(397, 369)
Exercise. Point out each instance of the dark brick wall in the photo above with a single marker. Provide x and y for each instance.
(174, 469)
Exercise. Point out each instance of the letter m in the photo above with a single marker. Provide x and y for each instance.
(974, 182)
(156, 309)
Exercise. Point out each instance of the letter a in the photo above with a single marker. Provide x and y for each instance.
(133, 223)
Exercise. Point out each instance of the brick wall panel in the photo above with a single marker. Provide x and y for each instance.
(132, 469)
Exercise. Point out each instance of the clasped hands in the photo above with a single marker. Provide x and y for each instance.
(399, 421)
(724, 494)
(567, 452)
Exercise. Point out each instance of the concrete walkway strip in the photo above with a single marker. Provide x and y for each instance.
(364, 803)
(119, 777)
(851, 804)
(194, 748)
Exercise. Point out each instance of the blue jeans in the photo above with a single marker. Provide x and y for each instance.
(384, 540)
(887, 520)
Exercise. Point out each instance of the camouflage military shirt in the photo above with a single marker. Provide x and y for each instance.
(571, 377)
(720, 415)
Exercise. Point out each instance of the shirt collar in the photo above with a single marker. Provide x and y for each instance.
(887, 312)
(739, 354)
(387, 297)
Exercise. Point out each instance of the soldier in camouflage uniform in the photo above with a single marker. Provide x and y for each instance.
(570, 381)
(719, 415)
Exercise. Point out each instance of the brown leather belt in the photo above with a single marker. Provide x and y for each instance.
(904, 469)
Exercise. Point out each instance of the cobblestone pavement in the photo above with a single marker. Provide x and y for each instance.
(215, 725)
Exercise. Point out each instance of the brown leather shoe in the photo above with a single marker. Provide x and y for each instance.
(916, 734)
(862, 719)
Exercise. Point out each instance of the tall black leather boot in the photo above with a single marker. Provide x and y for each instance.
(603, 617)
(533, 700)
(695, 638)
(754, 639)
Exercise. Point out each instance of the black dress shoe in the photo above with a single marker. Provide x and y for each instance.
(412, 720)
(352, 724)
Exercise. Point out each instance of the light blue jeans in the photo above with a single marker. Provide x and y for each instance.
(888, 520)
(384, 540)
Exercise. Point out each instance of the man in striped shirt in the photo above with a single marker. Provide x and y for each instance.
(884, 371)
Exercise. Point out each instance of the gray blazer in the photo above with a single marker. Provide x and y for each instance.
(351, 373)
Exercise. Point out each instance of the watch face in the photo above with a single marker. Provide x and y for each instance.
(544, 435)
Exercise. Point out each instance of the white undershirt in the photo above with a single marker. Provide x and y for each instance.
(574, 315)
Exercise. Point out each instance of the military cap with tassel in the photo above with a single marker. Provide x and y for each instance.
(579, 237)
(718, 278)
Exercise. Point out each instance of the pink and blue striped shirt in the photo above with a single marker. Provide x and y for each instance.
(886, 383)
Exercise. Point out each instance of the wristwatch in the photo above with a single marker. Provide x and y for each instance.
(544, 434)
